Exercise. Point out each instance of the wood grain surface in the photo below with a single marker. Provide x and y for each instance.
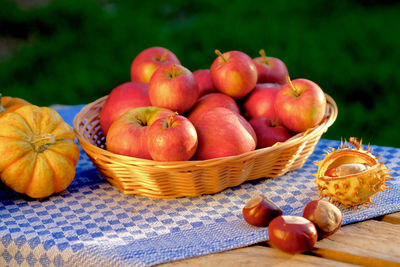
(374, 242)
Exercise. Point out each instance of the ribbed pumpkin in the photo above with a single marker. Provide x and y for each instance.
(9, 104)
(38, 151)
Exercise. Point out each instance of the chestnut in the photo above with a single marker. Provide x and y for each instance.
(326, 217)
(259, 211)
(292, 234)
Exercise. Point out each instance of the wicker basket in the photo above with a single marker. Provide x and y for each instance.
(193, 178)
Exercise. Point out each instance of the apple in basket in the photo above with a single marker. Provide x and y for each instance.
(148, 61)
(260, 102)
(173, 87)
(270, 69)
(204, 80)
(210, 101)
(121, 99)
(300, 104)
(233, 73)
(172, 138)
(268, 131)
(223, 132)
(127, 135)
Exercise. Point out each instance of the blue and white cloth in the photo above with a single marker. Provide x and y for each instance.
(92, 223)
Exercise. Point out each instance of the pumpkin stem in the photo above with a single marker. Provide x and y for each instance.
(42, 142)
(2, 109)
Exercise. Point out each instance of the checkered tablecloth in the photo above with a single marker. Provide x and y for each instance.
(92, 223)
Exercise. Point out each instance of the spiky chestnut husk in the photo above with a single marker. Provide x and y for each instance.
(350, 175)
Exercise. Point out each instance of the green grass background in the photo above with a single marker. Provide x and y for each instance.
(75, 51)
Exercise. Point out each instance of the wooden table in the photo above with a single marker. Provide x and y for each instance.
(375, 242)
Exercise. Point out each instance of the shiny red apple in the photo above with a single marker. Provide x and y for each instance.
(233, 73)
(127, 135)
(223, 132)
(260, 211)
(121, 99)
(149, 60)
(210, 101)
(204, 80)
(292, 234)
(270, 69)
(268, 131)
(261, 101)
(173, 87)
(172, 138)
(300, 104)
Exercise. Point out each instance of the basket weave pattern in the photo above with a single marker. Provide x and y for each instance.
(192, 178)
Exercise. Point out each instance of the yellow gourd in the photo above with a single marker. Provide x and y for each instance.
(38, 153)
(9, 104)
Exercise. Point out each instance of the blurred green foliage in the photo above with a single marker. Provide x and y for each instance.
(75, 51)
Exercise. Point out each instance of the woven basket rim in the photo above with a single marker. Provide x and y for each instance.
(332, 112)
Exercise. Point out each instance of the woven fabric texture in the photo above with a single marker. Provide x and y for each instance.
(92, 223)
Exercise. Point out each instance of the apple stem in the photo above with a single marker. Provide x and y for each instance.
(292, 86)
(2, 109)
(264, 58)
(164, 55)
(220, 55)
(170, 119)
(275, 122)
(141, 122)
(173, 73)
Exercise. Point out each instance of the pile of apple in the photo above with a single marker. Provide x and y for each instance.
(168, 113)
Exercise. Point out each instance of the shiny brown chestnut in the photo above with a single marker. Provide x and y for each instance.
(259, 211)
(326, 217)
(292, 234)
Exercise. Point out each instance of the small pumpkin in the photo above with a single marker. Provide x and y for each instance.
(38, 151)
(9, 104)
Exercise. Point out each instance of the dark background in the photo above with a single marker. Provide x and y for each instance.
(75, 51)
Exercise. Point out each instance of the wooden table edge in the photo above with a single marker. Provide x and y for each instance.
(260, 253)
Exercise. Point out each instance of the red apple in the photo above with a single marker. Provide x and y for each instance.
(292, 234)
(204, 80)
(211, 101)
(121, 99)
(260, 102)
(268, 131)
(260, 211)
(270, 69)
(127, 135)
(148, 61)
(174, 87)
(300, 104)
(172, 138)
(233, 73)
(223, 132)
